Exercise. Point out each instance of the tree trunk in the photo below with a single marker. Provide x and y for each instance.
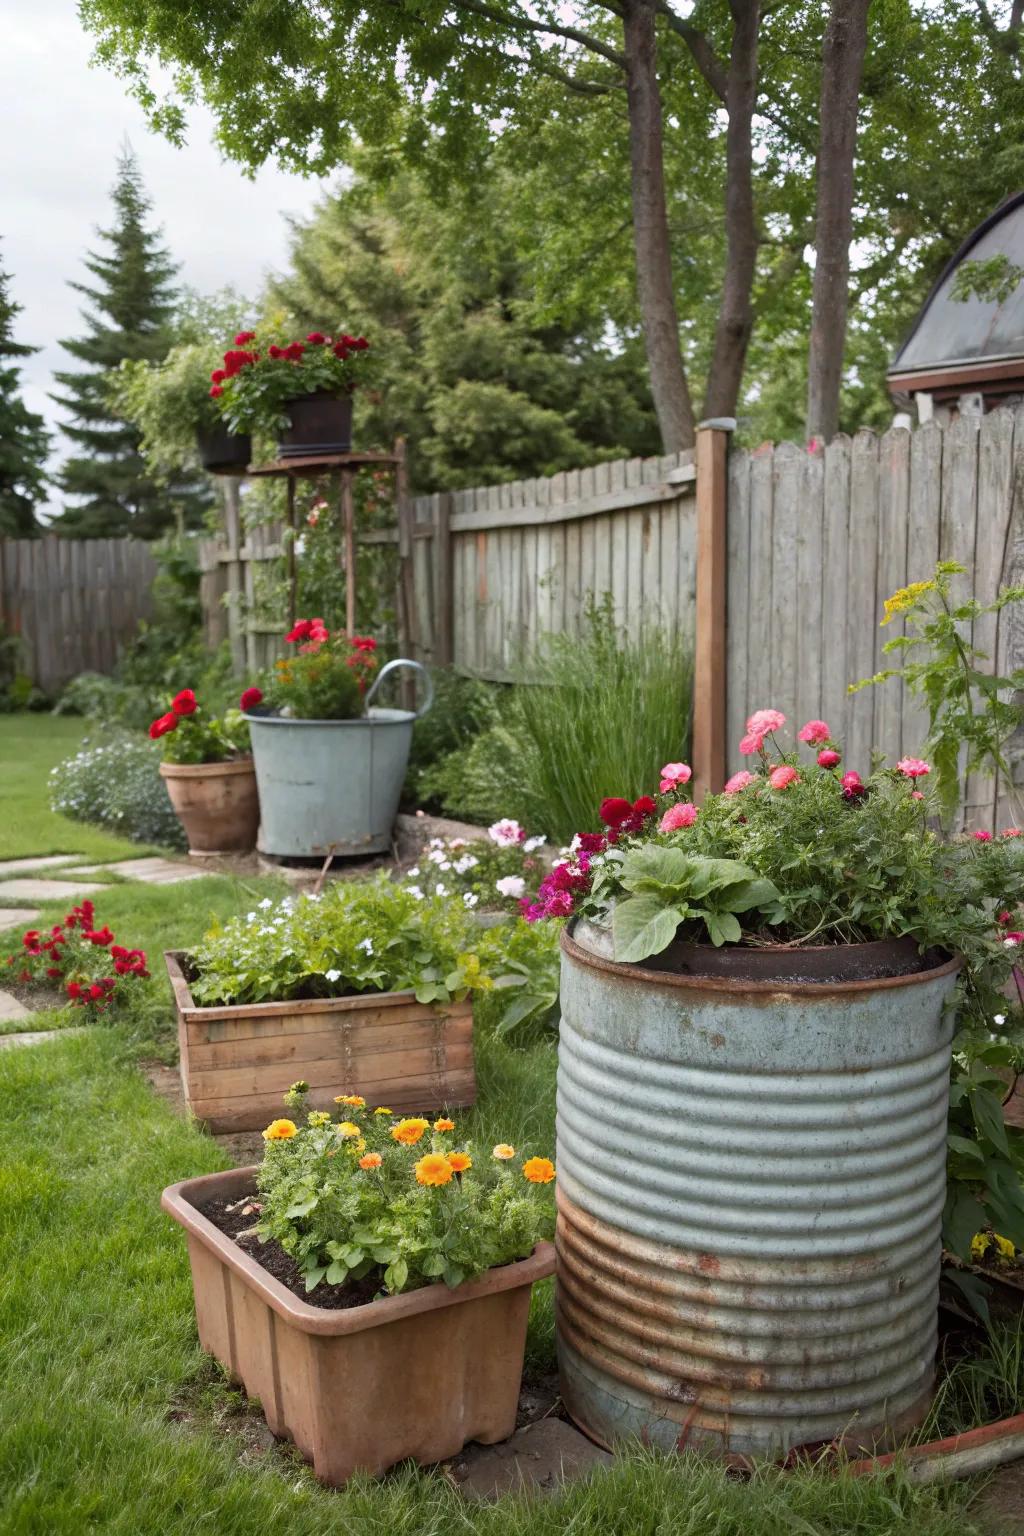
(736, 310)
(841, 69)
(655, 289)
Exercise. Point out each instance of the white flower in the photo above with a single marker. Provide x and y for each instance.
(511, 885)
(415, 892)
(439, 857)
(436, 842)
(366, 945)
(999, 1018)
(413, 873)
(251, 917)
(465, 864)
(535, 842)
(265, 903)
(332, 975)
(506, 832)
(1010, 943)
(470, 899)
(457, 842)
(442, 890)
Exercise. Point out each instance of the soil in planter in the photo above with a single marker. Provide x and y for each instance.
(272, 1257)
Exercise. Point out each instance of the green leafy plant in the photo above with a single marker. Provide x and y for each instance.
(370, 937)
(263, 372)
(666, 888)
(493, 873)
(524, 960)
(169, 402)
(190, 735)
(968, 715)
(395, 1199)
(116, 783)
(326, 678)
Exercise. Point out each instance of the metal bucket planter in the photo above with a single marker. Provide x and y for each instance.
(751, 1183)
(333, 786)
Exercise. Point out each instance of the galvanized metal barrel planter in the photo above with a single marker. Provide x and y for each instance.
(333, 786)
(751, 1183)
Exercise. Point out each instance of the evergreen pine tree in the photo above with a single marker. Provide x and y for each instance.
(131, 306)
(24, 440)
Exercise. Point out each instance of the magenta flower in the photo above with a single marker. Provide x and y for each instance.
(763, 721)
(674, 774)
(739, 781)
(828, 758)
(682, 815)
(783, 776)
(913, 767)
(983, 837)
(815, 732)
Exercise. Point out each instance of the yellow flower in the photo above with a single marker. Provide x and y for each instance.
(503, 1152)
(347, 1128)
(408, 1132)
(539, 1170)
(318, 1117)
(444, 1125)
(434, 1169)
(459, 1162)
(353, 1099)
(381, 1110)
(983, 1241)
(371, 1160)
(279, 1130)
(905, 597)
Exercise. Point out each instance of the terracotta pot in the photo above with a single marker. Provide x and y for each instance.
(416, 1375)
(224, 453)
(237, 1060)
(216, 803)
(320, 424)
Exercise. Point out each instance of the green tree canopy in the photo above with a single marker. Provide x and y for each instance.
(24, 441)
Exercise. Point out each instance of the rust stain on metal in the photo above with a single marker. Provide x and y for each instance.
(709, 1265)
(481, 567)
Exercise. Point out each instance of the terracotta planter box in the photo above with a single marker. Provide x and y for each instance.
(216, 803)
(416, 1375)
(237, 1061)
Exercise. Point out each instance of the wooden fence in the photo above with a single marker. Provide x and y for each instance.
(72, 602)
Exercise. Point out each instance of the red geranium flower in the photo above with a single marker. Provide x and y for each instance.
(160, 727)
(218, 376)
(243, 337)
(614, 811)
(184, 703)
(216, 391)
(317, 338)
(250, 697)
(364, 642)
(299, 631)
(74, 990)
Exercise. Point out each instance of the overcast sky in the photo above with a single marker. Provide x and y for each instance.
(62, 124)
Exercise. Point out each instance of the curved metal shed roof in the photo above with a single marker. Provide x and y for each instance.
(968, 343)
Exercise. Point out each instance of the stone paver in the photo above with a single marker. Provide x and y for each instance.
(540, 1458)
(46, 890)
(152, 871)
(34, 1037)
(10, 1008)
(12, 867)
(17, 917)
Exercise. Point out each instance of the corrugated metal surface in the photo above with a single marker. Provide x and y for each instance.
(751, 1181)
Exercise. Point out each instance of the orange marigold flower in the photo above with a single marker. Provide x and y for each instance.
(371, 1160)
(444, 1125)
(408, 1132)
(279, 1130)
(434, 1169)
(503, 1152)
(348, 1128)
(539, 1170)
(351, 1098)
(458, 1162)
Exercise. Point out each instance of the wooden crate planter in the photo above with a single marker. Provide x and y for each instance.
(238, 1060)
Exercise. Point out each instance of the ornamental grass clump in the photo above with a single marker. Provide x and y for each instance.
(404, 1201)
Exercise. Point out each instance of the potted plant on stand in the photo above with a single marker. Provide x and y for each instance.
(208, 770)
(330, 767)
(759, 998)
(299, 391)
(170, 403)
(370, 1282)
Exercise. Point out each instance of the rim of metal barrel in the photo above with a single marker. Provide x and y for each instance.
(634, 972)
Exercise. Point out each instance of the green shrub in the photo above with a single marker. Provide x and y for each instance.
(463, 708)
(117, 784)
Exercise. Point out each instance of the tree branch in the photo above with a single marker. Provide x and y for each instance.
(521, 23)
(574, 83)
(704, 56)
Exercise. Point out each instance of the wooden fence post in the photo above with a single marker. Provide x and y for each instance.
(444, 615)
(709, 682)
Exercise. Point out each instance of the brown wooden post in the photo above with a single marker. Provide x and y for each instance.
(233, 562)
(408, 636)
(444, 612)
(348, 522)
(709, 684)
(290, 555)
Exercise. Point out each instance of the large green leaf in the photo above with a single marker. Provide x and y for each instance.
(988, 1117)
(655, 867)
(644, 925)
(962, 1218)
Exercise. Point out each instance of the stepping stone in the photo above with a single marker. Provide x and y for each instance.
(34, 1037)
(17, 917)
(10, 1008)
(539, 1458)
(26, 866)
(152, 871)
(45, 890)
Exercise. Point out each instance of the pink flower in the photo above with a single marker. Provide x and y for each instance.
(853, 785)
(1011, 832)
(814, 732)
(828, 758)
(763, 721)
(783, 776)
(751, 743)
(674, 774)
(739, 781)
(1013, 939)
(915, 794)
(506, 832)
(913, 767)
(682, 815)
(983, 837)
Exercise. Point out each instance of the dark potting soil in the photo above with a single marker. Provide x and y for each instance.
(272, 1257)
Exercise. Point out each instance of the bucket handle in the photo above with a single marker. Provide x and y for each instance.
(390, 666)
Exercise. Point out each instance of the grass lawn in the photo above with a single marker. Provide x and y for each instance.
(111, 1420)
(30, 745)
